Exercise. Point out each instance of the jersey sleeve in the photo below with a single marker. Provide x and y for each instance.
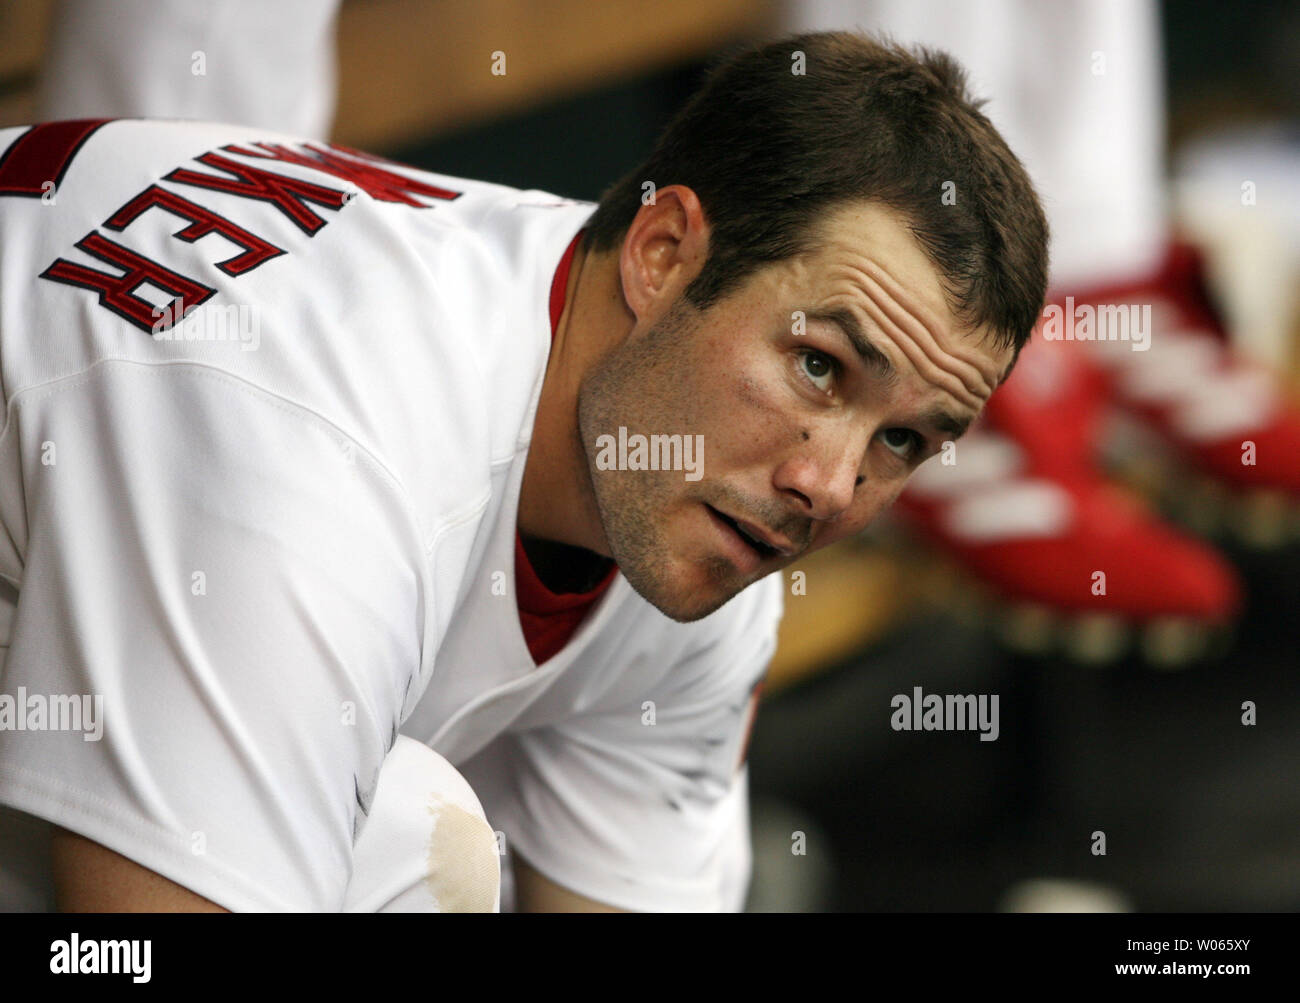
(218, 618)
(642, 803)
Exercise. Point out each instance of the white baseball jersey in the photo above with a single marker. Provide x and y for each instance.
(250, 536)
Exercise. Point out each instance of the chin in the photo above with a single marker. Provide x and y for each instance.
(684, 594)
(687, 609)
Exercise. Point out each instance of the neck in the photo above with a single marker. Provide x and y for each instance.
(557, 504)
(562, 568)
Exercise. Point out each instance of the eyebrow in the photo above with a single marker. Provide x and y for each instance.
(871, 356)
(879, 363)
(944, 421)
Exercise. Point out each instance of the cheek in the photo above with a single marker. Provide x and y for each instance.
(874, 496)
(752, 411)
(884, 495)
(734, 391)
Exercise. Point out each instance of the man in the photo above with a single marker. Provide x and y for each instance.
(481, 466)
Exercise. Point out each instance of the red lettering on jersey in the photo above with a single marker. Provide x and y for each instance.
(117, 292)
(376, 181)
(287, 194)
(41, 155)
(202, 222)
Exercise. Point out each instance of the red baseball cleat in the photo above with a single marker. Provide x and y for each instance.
(1075, 563)
(1197, 404)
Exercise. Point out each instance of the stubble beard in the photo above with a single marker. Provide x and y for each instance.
(619, 390)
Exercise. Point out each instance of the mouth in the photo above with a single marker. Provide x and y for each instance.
(749, 545)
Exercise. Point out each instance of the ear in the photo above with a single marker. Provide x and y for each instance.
(664, 248)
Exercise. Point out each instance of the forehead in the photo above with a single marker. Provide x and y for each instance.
(848, 234)
(864, 258)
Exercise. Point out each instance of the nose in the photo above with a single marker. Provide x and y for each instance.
(822, 482)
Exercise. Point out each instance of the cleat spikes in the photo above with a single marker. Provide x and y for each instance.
(1096, 638)
(1174, 643)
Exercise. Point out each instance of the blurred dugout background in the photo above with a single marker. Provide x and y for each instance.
(1199, 811)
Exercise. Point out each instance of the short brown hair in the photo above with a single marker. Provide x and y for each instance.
(768, 151)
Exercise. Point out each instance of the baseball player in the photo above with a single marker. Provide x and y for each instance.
(364, 525)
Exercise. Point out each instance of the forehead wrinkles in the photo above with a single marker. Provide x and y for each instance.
(959, 369)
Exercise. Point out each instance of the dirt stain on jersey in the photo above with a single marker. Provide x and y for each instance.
(464, 870)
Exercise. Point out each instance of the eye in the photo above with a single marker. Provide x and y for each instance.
(902, 442)
(817, 367)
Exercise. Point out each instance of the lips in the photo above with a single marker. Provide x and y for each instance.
(755, 543)
(765, 537)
